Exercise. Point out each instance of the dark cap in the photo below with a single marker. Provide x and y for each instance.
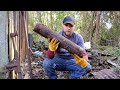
(69, 19)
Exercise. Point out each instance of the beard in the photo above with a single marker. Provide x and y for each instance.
(68, 33)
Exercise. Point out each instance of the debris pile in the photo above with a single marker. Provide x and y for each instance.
(101, 69)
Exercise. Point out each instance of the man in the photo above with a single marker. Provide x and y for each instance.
(60, 59)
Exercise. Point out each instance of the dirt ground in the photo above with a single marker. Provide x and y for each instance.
(100, 68)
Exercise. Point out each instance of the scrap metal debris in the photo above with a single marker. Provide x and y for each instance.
(106, 74)
(101, 69)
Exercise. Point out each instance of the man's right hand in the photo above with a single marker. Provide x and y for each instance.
(53, 44)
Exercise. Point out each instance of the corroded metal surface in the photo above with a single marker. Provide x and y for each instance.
(105, 74)
(15, 63)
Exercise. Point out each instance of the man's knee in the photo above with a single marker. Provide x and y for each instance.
(88, 68)
(46, 63)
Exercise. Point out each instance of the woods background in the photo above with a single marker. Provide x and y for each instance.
(101, 28)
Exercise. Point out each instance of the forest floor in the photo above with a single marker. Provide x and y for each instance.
(101, 67)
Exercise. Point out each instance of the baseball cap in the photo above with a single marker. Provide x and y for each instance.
(69, 19)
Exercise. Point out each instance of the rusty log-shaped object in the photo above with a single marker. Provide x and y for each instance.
(64, 42)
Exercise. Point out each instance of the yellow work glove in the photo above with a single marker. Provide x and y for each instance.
(53, 44)
(81, 61)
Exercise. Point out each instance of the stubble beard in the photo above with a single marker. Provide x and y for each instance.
(68, 33)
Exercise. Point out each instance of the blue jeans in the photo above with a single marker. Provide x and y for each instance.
(59, 64)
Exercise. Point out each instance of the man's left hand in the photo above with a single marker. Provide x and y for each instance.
(81, 61)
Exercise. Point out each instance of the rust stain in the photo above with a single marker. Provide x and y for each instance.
(105, 74)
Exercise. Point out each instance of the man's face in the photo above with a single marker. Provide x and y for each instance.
(68, 29)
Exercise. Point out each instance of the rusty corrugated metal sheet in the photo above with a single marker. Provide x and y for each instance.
(106, 74)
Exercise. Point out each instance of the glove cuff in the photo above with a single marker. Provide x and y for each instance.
(51, 49)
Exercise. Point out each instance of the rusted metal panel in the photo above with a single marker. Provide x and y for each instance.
(11, 50)
(15, 64)
(105, 74)
(22, 41)
(16, 25)
(28, 54)
(11, 29)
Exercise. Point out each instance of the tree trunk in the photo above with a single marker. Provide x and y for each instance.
(64, 42)
(94, 32)
(92, 28)
(97, 35)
